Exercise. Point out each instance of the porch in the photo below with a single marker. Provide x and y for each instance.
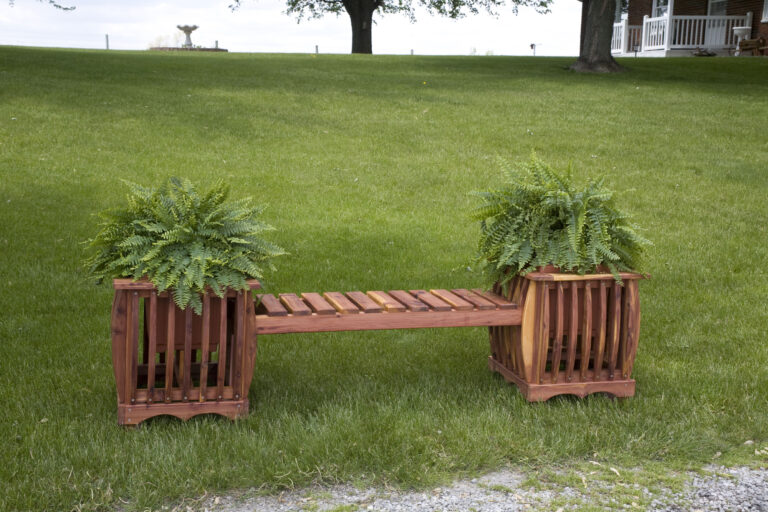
(677, 35)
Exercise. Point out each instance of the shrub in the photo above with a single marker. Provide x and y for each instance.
(183, 241)
(538, 217)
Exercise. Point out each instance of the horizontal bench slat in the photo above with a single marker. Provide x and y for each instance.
(318, 304)
(500, 301)
(457, 303)
(411, 302)
(387, 302)
(294, 304)
(475, 300)
(272, 305)
(385, 320)
(342, 304)
(364, 302)
(430, 300)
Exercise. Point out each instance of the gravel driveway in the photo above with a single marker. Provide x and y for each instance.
(722, 489)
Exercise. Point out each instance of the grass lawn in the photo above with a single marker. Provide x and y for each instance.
(366, 163)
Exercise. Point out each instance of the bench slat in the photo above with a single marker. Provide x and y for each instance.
(432, 301)
(342, 304)
(387, 302)
(458, 303)
(409, 300)
(272, 305)
(475, 300)
(318, 304)
(294, 304)
(500, 301)
(364, 302)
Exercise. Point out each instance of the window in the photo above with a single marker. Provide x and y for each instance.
(660, 8)
(717, 7)
(765, 11)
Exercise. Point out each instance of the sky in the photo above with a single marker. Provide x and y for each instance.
(263, 26)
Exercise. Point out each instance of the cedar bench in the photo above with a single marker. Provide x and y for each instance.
(551, 334)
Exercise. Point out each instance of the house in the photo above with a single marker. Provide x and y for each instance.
(677, 27)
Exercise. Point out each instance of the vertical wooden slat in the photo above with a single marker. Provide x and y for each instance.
(222, 362)
(170, 349)
(598, 362)
(132, 347)
(614, 328)
(586, 331)
(237, 350)
(544, 334)
(632, 325)
(557, 346)
(537, 332)
(186, 370)
(573, 330)
(152, 346)
(205, 345)
(119, 341)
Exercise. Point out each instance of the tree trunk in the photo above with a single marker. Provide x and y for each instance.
(361, 17)
(596, 33)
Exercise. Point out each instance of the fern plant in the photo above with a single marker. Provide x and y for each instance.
(538, 218)
(183, 240)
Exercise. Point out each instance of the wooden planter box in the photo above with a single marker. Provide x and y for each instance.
(579, 335)
(169, 361)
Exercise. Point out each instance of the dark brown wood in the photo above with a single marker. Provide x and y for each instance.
(205, 346)
(135, 414)
(119, 333)
(186, 369)
(476, 300)
(238, 347)
(456, 302)
(412, 320)
(614, 328)
(556, 276)
(499, 301)
(272, 305)
(342, 304)
(364, 302)
(151, 344)
(573, 332)
(221, 370)
(386, 301)
(586, 332)
(601, 328)
(170, 350)
(318, 304)
(131, 358)
(294, 304)
(557, 346)
(411, 302)
(430, 300)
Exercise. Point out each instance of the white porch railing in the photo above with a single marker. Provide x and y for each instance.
(626, 38)
(706, 31)
(688, 32)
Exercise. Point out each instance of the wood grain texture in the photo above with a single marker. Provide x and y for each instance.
(318, 304)
(494, 298)
(586, 333)
(272, 305)
(382, 321)
(294, 304)
(455, 301)
(430, 300)
(389, 303)
(341, 303)
(205, 346)
(364, 302)
(408, 300)
(476, 300)
(601, 330)
(557, 345)
(119, 333)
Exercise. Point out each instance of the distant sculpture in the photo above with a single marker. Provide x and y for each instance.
(187, 29)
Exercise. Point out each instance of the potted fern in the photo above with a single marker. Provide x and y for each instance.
(569, 257)
(182, 263)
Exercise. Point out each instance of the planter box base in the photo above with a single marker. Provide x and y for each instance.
(135, 414)
(542, 392)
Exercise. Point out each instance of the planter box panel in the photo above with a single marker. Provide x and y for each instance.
(578, 336)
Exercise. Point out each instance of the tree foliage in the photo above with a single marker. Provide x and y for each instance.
(361, 11)
(538, 218)
(183, 240)
(52, 3)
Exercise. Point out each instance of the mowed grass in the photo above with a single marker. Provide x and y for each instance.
(366, 163)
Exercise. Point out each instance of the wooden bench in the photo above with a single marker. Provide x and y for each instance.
(397, 309)
(551, 334)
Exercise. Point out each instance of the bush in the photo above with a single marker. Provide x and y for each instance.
(538, 217)
(183, 241)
